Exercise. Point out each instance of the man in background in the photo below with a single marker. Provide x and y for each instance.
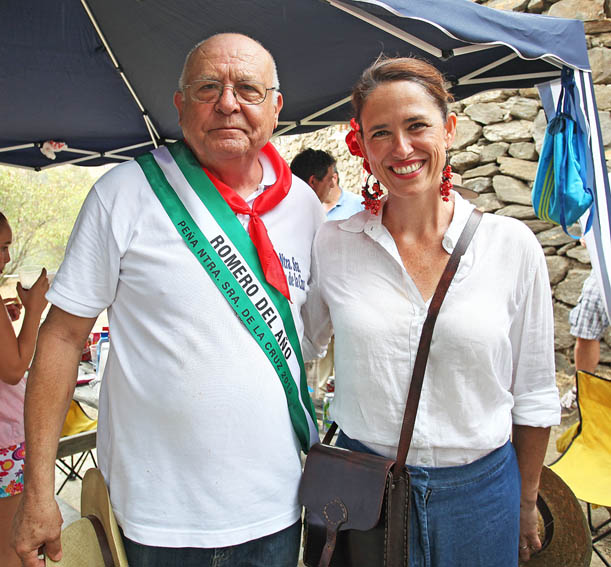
(589, 322)
(319, 170)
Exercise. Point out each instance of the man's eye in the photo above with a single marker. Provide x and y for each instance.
(208, 86)
(250, 89)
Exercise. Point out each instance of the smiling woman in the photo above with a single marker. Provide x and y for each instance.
(490, 370)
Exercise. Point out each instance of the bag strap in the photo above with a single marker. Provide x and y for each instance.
(413, 398)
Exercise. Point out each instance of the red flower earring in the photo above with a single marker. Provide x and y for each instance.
(370, 198)
(446, 183)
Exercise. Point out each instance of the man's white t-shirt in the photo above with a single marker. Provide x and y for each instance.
(194, 435)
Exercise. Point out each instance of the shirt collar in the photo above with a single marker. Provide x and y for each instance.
(340, 201)
(269, 178)
(372, 224)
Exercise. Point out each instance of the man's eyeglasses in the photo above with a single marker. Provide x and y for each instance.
(245, 92)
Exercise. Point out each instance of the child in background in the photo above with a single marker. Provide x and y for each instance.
(15, 355)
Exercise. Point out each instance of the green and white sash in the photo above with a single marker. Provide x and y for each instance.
(225, 251)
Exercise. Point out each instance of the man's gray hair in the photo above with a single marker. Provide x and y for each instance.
(183, 75)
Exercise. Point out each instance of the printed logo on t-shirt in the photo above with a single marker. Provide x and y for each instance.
(294, 277)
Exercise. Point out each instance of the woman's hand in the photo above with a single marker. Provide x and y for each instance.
(529, 534)
(13, 306)
(33, 299)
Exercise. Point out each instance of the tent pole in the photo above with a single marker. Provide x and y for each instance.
(21, 147)
(389, 28)
(503, 78)
(151, 129)
(600, 235)
(305, 121)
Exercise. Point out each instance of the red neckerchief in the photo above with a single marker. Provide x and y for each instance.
(272, 268)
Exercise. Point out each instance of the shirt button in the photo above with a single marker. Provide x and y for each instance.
(426, 461)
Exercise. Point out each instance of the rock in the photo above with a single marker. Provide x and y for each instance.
(487, 203)
(492, 151)
(553, 237)
(485, 112)
(524, 150)
(605, 353)
(478, 184)
(601, 40)
(535, 6)
(511, 190)
(537, 225)
(578, 9)
(531, 92)
(464, 160)
(564, 249)
(510, 5)
(498, 95)
(482, 171)
(600, 61)
(569, 290)
(579, 253)
(539, 126)
(520, 212)
(597, 26)
(467, 132)
(520, 168)
(557, 267)
(563, 364)
(549, 250)
(523, 108)
(562, 337)
(514, 131)
(605, 127)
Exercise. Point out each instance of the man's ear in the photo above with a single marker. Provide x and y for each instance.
(278, 108)
(312, 182)
(179, 99)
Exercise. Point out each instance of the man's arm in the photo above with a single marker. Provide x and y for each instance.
(50, 387)
(530, 444)
(587, 354)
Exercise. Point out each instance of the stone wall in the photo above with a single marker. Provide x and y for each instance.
(496, 150)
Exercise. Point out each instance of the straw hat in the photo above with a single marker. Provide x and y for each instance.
(94, 540)
(563, 528)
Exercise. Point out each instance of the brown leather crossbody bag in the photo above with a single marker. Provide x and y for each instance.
(357, 504)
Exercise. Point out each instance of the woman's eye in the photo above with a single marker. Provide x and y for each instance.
(379, 134)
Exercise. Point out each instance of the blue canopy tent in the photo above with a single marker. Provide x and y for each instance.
(99, 75)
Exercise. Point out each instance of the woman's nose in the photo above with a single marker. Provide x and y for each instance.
(402, 146)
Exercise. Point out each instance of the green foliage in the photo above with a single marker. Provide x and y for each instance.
(41, 208)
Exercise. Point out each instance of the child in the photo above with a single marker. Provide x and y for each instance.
(15, 356)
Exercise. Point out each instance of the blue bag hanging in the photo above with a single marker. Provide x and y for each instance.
(560, 193)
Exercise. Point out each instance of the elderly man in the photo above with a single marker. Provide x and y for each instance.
(201, 253)
(319, 170)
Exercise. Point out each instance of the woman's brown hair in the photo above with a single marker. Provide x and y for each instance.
(386, 69)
